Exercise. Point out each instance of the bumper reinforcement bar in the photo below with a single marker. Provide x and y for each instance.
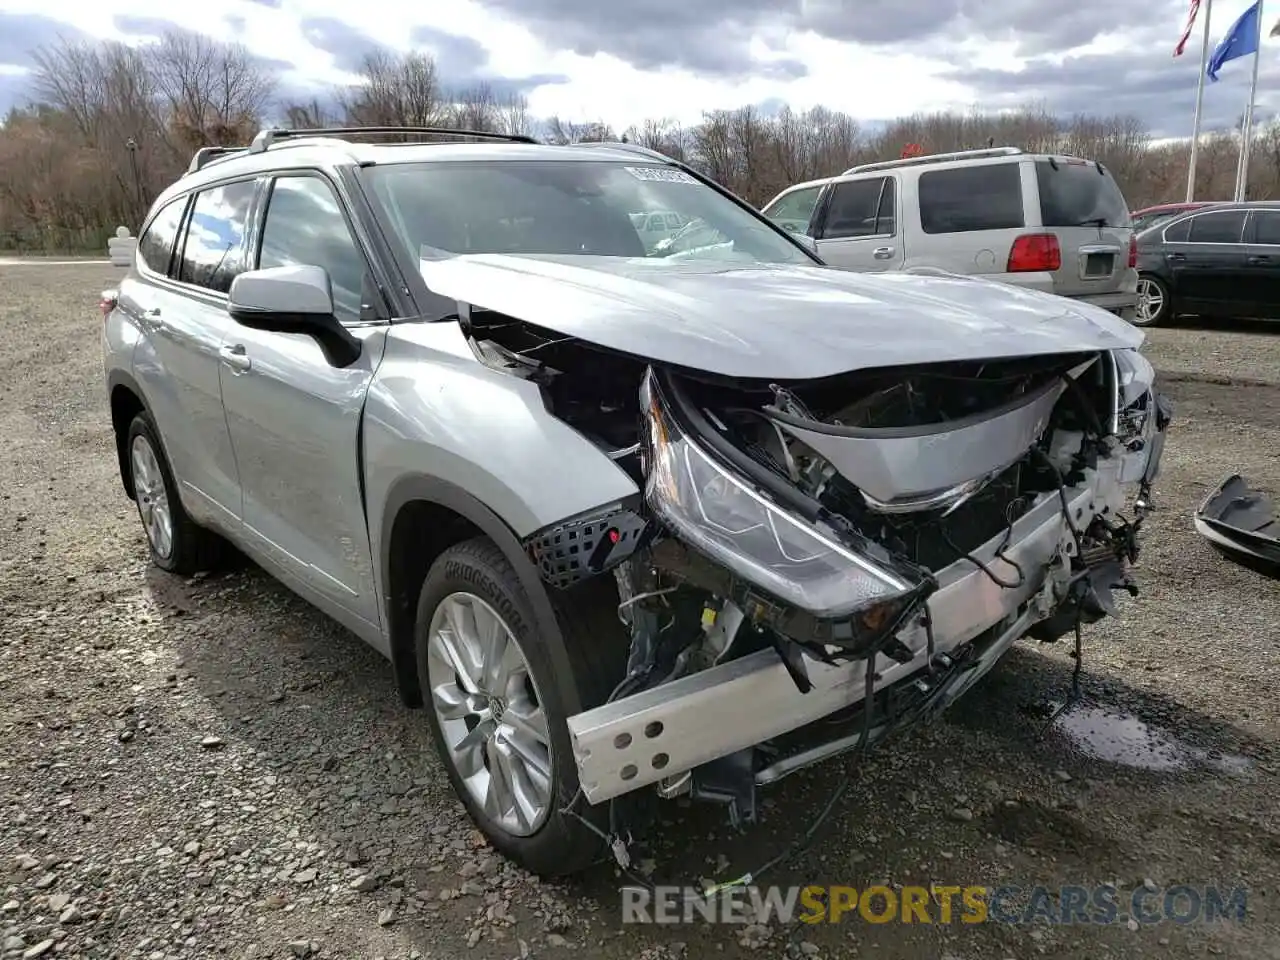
(665, 731)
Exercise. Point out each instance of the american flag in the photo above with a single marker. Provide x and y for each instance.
(1186, 34)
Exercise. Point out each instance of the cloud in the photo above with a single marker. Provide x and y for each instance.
(1151, 86)
(15, 91)
(463, 63)
(623, 62)
(347, 45)
(157, 27)
(22, 33)
(1032, 26)
(711, 37)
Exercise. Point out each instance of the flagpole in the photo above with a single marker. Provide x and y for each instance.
(1195, 130)
(1242, 180)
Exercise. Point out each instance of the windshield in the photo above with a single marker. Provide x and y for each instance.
(568, 208)
(1077, 194)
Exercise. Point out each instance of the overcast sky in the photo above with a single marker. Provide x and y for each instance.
(624, 60)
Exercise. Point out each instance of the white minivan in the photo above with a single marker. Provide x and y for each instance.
(1057, 224)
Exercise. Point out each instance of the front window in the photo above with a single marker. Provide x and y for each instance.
(567, 208)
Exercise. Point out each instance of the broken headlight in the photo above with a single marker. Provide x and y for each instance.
(1134, 377)
(720, 515)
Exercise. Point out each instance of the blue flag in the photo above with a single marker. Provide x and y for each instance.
(1240, 41)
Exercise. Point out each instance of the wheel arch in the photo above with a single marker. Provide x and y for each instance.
(126, 401)
(422, 517)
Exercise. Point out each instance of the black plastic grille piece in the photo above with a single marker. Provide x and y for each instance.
(570, 552)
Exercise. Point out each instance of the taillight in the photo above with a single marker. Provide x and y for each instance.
(1133, 251)
(1033, 252)
(107, 302)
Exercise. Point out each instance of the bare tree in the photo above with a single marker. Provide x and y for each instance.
(213, 92)
(475, 108)
(513, 115)
(311, 115)
(396, 90)
(562, 131)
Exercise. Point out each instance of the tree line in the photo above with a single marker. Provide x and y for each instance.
(109, 125)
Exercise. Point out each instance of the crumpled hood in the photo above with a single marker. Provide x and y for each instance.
(775, 321)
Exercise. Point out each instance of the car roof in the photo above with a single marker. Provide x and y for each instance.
(1186, 205)
(933, 161)
(327, 151)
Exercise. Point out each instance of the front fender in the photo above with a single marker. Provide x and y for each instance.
(441, 427)
(434, 410)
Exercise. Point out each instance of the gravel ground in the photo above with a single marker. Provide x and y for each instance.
(209, 767)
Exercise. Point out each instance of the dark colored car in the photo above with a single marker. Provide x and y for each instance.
(1148, 217)
(1216, 261)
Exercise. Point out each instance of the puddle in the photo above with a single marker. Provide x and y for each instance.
(1123, 739)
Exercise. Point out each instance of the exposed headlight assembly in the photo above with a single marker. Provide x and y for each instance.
(1141, 416)
(1134, 377)
(723, 517)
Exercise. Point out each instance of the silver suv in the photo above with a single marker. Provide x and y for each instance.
(1053, 223)
(619, 518)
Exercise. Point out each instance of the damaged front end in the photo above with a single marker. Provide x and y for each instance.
(817, 565)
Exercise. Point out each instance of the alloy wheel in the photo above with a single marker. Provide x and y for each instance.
(152, 497)
(489, 713)
(1150, 300)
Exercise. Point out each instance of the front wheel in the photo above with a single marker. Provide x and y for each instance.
(497, 709)
(1155, 305)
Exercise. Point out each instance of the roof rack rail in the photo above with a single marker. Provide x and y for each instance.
(627, 146)
(266, 138)
(205, 155)
(935, 158)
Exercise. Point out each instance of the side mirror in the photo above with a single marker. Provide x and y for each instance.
(295, 299)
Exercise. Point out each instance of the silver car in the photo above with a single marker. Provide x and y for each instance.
(620, 522)
(1046, 222)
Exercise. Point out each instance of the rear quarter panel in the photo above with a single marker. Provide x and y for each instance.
(981, 253)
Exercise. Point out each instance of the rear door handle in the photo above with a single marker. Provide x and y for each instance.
(1257, 259)
(882, 253)
(234, 356)
(1175, 257)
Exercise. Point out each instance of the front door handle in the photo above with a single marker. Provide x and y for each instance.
(882, 253)
(1175, 257)
(234, 356)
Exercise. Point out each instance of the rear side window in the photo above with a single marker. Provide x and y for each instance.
(212, 255)
(966, 199)
(1266, 226)
(1224, 227)
(156, 246)
(859, 209)
(1077, 194)
(305, 225)
(1178, 232)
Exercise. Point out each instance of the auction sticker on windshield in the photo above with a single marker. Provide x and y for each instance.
(660, 174)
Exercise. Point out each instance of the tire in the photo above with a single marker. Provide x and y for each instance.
(475, 579)
(1155, 305)
(188, 548)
